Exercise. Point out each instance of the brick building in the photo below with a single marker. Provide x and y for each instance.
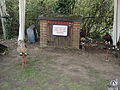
(60, 32)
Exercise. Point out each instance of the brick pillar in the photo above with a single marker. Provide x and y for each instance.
(43, 32)
(76, 35)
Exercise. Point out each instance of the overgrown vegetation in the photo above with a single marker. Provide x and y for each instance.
(65, 7)
(97, 15)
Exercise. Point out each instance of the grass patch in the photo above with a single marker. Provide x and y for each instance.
(74, 70)
(92, 72)
(44, 47)
(40, 75)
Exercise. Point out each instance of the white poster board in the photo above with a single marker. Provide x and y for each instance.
(60, 30)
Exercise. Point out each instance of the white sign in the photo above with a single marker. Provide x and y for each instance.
(60, 30)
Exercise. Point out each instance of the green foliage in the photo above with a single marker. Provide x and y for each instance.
(12, 21)
(97, 15)
(65, 6)
(8, 24)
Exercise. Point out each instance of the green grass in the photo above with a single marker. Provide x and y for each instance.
(40, 75)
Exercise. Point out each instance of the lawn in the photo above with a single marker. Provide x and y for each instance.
(51, 69)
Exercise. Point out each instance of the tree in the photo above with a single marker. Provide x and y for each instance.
(22, 4)
(5, 19)
(97, 16)
(65, 6)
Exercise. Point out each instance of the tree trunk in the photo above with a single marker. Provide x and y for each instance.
(3, 13)
(21, 44)
(21, 20)
(116, 25)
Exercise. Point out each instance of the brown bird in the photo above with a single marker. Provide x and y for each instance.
(22, 50)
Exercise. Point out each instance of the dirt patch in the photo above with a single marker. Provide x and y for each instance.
(66, 69)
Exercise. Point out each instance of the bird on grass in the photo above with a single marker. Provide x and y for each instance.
(22, 50)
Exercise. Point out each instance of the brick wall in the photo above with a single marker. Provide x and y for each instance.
(75, 33)
(43, 32)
